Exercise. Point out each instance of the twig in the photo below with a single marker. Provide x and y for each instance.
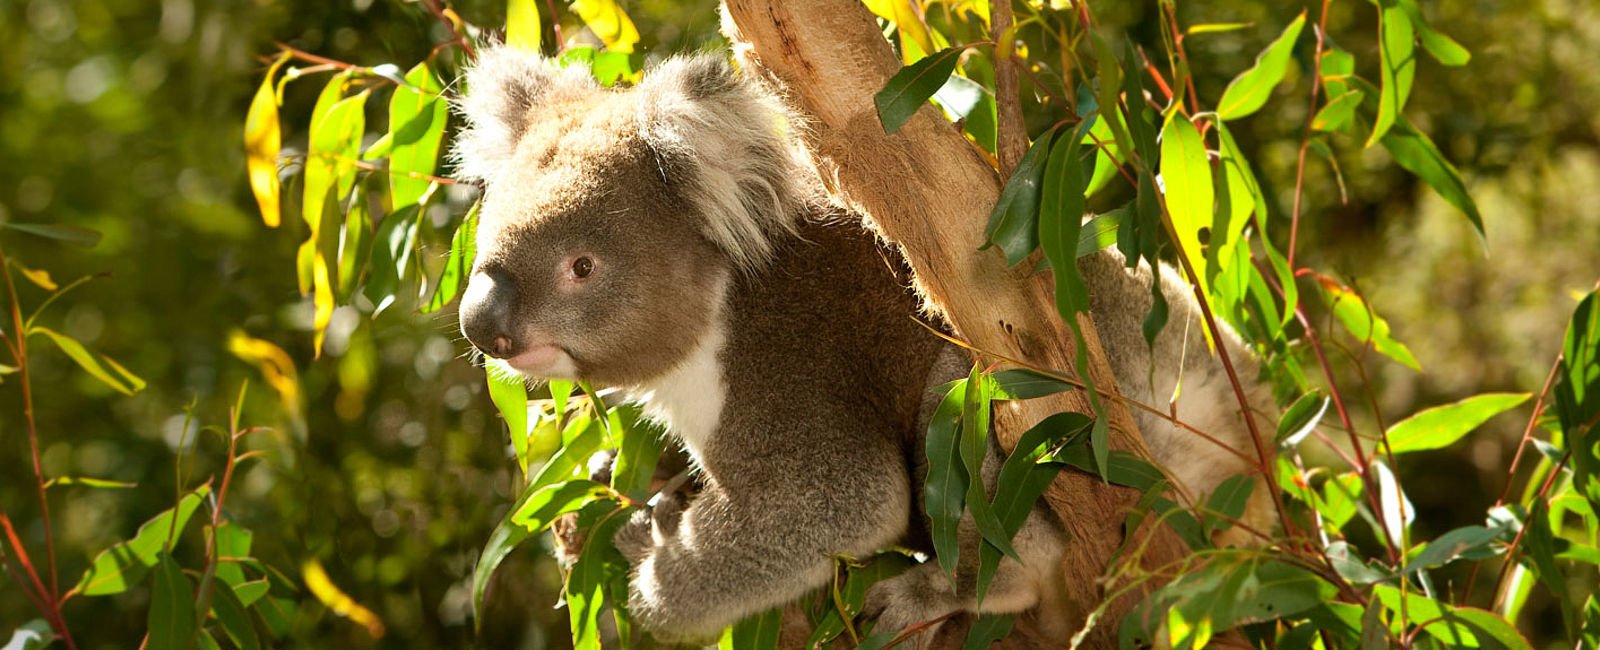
(1305, 137)
(443, 15)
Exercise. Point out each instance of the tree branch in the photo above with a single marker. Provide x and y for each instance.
(927, 189)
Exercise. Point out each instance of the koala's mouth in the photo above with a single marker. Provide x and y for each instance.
(544, 362)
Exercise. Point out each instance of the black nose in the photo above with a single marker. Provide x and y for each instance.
(486, 310)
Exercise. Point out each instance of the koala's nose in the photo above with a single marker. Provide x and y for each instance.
(486, 313)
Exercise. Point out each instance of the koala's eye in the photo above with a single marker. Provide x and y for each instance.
(582, 267)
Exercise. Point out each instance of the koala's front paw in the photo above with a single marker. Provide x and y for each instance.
(917, 596)
(568, 537)
(633, 539)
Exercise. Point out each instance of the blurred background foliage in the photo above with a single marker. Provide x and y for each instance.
(389, 463)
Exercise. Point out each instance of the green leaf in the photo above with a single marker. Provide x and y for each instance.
(551, 501)
(508, 534)
(1414, 151)
(1337, 113)
(1440, 426)
(510, 396)
(232, 543)
(1539, 550)
(1577, 392)
(355, 245)
(988, 629)
(1249, 91)
(336, 129)
(417, 116)
(1364, 323)
(1101, 232)
(1022, 383)
(608, 67)
(945, 488)
(78, 235)
(1241, 198)
(1060, 220)
(33, 635)
(1339, 498)
(637, 454)
(463, 250)
(1487, 625)
(392, 246)
(99, 366)
(88, 482)
(1231, 590)
(1301, 418)
(1374, 633)
(1443, 48)
(125, 563)
(848, 600)
(523, 30)
(172, 621)
(913, 85)
(1398, 65)
(588, 581)
(1350, 566)
(1013, 224)
(1452, 545)
(250, 591)
(1122, 468)
(1023, 477)
(235, 620)
(1186, 176)
(756, 632)
(974, 442)
(1227, 502)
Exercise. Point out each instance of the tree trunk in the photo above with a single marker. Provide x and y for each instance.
(927, 189)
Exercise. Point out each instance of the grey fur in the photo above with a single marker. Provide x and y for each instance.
(773, 336)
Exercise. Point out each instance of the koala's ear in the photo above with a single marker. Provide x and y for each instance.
(503, 87)
(725, 144)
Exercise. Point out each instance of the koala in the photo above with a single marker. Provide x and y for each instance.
(672, 240)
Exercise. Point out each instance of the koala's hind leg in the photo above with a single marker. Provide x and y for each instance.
(925, 593)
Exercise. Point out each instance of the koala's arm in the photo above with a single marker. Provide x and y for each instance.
(760, 538)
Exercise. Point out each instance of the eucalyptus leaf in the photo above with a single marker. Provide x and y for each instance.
(1249, 91)
(909, 88)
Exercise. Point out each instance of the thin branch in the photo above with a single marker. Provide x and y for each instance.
(445, 15)
(1011, 132)
(1305, 137)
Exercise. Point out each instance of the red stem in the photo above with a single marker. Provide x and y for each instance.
(20, 352)
(1305, 137)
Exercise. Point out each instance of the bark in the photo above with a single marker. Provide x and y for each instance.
(1011, 135)
(926, 188)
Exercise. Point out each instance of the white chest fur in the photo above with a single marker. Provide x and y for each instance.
(689, 399)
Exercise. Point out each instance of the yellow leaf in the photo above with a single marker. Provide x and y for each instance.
(39, 277)
(523, 30)
(608, 21)
(275, 366)
(262, 139)
(337, 600)
(915, 40)
(322, 297)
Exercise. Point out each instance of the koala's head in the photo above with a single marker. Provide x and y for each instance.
(613, 219)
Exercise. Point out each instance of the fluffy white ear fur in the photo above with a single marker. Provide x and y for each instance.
(722, 141)
(502, 89)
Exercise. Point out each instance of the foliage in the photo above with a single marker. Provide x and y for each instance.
(375, 231)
